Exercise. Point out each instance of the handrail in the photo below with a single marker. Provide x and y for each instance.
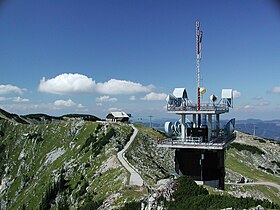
(192, 107)
(221, 140)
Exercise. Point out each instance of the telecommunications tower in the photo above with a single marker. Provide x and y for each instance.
(200, 142)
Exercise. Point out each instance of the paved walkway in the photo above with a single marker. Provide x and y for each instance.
(135, 178)
(272, 184)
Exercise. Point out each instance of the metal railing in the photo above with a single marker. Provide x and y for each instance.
(193, 107)
(219, 141)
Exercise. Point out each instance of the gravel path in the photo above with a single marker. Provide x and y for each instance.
(135, 178)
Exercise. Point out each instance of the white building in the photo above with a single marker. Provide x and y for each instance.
(117, 117)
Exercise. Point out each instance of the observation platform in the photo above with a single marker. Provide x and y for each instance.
(193, 109)
(218, 143)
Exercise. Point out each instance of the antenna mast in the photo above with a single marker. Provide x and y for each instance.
(198, 59)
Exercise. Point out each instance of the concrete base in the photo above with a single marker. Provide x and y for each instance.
(204, 166)
(211, 183)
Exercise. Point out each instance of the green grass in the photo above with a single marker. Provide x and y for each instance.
(269, 191)
(144, 150)
(233, 163)
(151, 132)
(56, 135)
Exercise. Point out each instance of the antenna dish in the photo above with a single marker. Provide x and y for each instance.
(177, 127)
(227, 97)
(202, 90)
(213, 98)
(168, 128)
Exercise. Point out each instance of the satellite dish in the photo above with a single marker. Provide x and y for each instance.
(213, 98)
(168, 128)
(171, 99)
(202, 90)
(177, 127)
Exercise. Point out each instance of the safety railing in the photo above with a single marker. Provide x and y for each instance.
(198, 141)
(193, 107)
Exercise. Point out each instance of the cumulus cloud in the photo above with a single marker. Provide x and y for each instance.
(8, 89)
(19, 99)
(67, 84)
(14, 99)
(114, 109)
(264, 103)
(114, 86)
(248, 106)
(275, 90)
(106, 99)
(65, 103)
(236, 94)
(80, 106)
(77, 83)
(154, 96)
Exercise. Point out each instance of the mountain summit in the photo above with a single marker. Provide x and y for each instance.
(71, 162)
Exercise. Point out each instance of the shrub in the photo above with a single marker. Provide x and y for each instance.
(252, 149)
(134, 205)
(276, 162)
(189, 195)
(259, 139)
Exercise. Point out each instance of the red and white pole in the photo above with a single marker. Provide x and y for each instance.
(198, 58)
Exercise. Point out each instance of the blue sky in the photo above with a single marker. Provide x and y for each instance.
(69, 56)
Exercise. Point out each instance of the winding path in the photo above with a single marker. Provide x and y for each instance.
(135, 178)
(258, 183)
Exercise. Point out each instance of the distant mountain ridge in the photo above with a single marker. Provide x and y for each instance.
(269, 129)
(42, 118)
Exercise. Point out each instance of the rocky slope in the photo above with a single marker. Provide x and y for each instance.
(35, 157)
(72, 163)
(257, 160)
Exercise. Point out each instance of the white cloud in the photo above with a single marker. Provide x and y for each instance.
(114, 109)
(114, 86)
(154, 96)
(80, 106)
(77, 83)
(14, 99)
(19, 99)
(8, 89)
(264, 103)
(65, 103)
(106, 99)
(67, 84)
(98, 104)
(248, 106)
(3, 98)
(236, 94)
(276, 90)
(132, 98)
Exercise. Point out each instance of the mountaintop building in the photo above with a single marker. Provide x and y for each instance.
(117, 117)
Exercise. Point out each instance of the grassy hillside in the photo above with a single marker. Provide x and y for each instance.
(152, 162)
(35, 158)
(71, 162)
(256, 159)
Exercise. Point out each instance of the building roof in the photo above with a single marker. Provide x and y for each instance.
(119, 114)
(180, 93)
